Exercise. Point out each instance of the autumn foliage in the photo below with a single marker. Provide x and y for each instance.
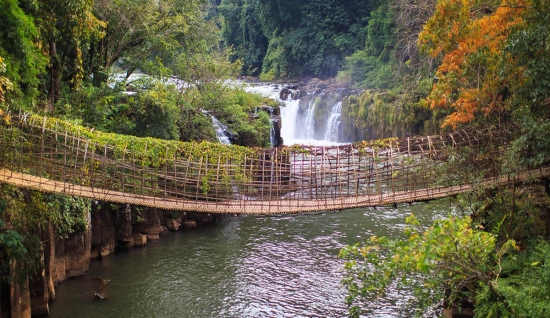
(470, 36)
(5, 84)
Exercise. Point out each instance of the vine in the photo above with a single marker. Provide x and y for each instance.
(145, 151)
(376, 144)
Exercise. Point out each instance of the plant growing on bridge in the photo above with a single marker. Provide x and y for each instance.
(146, 151)
(377, 144)
(150, 158)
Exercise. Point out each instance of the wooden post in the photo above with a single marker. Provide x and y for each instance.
(76, 156)
(122, 174)
(198, 179)
(217, 176)
(175, 194)
(206, 178)
(143, 171)
(65, 162)
(184, 179)
(166, 173)
(547, 191)
(391, 169)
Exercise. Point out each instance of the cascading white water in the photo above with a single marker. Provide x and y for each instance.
(309, 132)
(220, 131)
(333, 124)
(219, 128)
(289, 116)
(298, 127)
(272, 139)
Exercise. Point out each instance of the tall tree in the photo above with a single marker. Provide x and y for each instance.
(139, 34)
(5, 83)
(289, 39)
(471, 36)
(66, 28)
(24, 62)
(242, 30)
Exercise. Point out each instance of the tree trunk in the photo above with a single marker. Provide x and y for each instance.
(98, 62)
(55, 77)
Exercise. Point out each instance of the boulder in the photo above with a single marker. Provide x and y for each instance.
(76, 249)
(298, 94)
(154, 228)
(153, 237)
(284, 93)
(232, 135)
(48, 243)
(139, 239)
(39, 296)
(100, 289)
(173, 225)
(105, 250)
(19, 297)
(189, 224)
(268, 109)
(277, 124)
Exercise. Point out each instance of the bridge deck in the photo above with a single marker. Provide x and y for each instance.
(51, 155)
(254, 206)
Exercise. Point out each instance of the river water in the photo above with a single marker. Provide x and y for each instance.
(245, 266)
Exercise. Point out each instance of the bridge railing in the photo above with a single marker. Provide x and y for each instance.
(33, 146)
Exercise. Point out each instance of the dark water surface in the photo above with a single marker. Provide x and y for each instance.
(278, 266)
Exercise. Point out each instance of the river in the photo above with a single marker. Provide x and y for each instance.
(245, 266)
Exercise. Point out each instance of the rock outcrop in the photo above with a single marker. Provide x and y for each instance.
(110, 227)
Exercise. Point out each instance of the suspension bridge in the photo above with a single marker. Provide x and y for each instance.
(51, 155)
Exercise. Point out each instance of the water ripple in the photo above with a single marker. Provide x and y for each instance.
(283, 266)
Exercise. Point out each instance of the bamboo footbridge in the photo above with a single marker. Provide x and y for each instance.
(48, 155)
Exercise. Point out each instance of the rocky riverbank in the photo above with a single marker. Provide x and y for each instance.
(111, 228)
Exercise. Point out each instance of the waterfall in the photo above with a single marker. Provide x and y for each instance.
(310, 121)
(219, 128)
(333, 124)
(220, 131)
(298, 124)
(272, 140)
(289, 117)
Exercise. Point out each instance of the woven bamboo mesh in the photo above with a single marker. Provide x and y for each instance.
(280, 180)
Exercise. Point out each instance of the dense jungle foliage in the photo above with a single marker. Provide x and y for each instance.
(140, 68)
(475, 62)
(417, 67)
(285, 39)
(64, 59)
(424, 66)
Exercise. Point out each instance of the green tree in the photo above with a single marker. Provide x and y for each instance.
(528, 94)
(243, 32)
(446, 261)
(290, 39)
(24, 216)
(24, 62)
(374, 66)
(147, 35)
(66, 29)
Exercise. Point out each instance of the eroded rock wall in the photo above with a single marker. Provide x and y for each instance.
(110, 228)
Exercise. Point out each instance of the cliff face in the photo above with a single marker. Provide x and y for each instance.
(110, 228)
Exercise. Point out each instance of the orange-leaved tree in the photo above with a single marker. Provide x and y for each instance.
(470, 36)
(5, 84)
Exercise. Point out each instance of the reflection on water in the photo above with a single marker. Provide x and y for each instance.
(280, 266)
